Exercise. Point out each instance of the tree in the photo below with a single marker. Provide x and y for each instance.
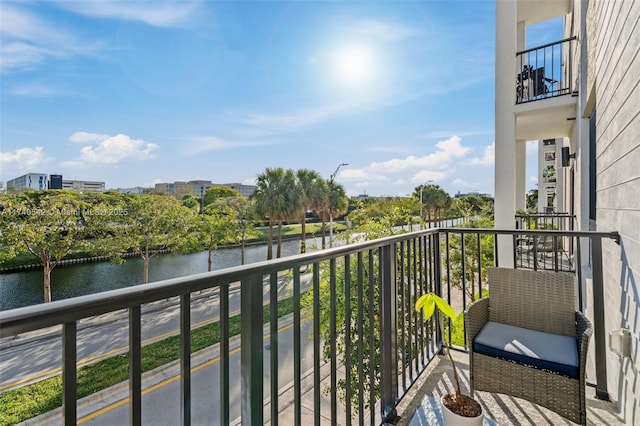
(53, 224)
(242, 221)
(213, 227)
(218, 191)
(191, 202)
(434, 199)
(312, 192)
(532, 200)
(332, 205)
(277, 198)
(156, 222)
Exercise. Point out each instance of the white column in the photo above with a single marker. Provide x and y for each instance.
(505, 131)
(521, 174)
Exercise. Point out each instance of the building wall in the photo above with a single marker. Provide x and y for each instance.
(28, 182)
(613, 45)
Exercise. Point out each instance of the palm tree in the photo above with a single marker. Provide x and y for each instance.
(311, 191)
(334, 203)
(277, 198)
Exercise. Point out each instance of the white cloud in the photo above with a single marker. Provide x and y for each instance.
(213, 143)
(360, 175)
(439, 134)
(28, 40)
(156, 13)
(110, 150)
(389, 31)
(84, 137)
(487, 159)
(446, 152)
(532, 147)
(25, 159)
(461, 183)
(427, 175)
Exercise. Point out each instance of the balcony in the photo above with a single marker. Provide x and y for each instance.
(353, 350)
(545, 71)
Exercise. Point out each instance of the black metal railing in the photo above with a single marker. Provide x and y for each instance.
(545, 252)
(353, 312)
(545, 71)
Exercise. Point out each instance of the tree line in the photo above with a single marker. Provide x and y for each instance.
(53, 225)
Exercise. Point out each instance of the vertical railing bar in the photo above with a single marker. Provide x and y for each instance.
(347, 337)
(360, 338)
(135, 366)
(69, 376)
(372, 377)
(224, 354)
(479, 267)
(332, 343)
(447, 249)
(599, 323)
(464, 270)
(496, 260)
(437, 284)
(380, 320)
(185, 358)
(388, 332)
(251, 350)
(416, 324)
(579, 270)
(430, 287)
(316, 344)
(274, 344)
(403, 311)
(297, 357)
(423, 330)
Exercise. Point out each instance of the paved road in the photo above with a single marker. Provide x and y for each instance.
(161, 392)
(26, 359)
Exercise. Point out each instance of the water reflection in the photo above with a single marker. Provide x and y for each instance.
(25, 288)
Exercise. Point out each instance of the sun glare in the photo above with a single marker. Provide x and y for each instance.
(354, 65)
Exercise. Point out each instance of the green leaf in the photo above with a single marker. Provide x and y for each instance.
(427, 304)
(444, 307)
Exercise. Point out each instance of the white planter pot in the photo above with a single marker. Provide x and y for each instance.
(453, 419)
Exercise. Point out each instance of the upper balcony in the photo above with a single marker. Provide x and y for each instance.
(546, 90)
(324, 337)
(545, 72)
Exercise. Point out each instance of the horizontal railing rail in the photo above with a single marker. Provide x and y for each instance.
(358, 301)
(545, 71)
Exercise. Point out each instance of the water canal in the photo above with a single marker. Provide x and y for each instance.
(25, 288)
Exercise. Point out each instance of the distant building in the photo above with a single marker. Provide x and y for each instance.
(55, 181)
(28, 182)
(135, 190)
(197, 188)
(245, 190)
(83, 185)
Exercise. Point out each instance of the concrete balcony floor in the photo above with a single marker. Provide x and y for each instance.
(505, 410)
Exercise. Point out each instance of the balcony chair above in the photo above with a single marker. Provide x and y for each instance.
(527, 340)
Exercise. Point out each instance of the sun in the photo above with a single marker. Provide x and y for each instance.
(354, 65)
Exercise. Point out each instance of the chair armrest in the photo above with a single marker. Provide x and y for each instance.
(475, 317)
(584, 330)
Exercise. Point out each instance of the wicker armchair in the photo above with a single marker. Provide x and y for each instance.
(534, 300)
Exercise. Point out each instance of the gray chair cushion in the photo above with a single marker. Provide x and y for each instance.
(551, 352)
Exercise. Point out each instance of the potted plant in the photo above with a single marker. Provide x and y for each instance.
(457, 409)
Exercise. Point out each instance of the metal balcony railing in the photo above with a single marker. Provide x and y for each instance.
(359, 300)
(546, 252)
(545, 71)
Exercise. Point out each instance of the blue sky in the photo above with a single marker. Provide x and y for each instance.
(135, 93)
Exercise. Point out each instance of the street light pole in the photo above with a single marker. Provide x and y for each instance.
(332, 177)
